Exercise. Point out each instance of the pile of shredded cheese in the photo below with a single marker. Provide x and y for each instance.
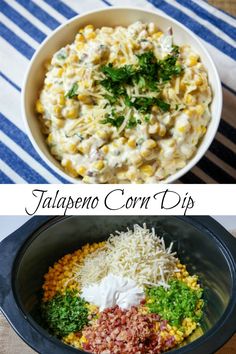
(137, 254)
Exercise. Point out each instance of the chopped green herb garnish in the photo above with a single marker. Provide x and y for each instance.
(110, 98)
(61, 56)
(169, 68)
(144, 104)
(148, 74)
(162, 104)
(147, 118)
(65, 313)
(140, 141)
(122, 74)
(175, 303)
(133, 122)
(113, 119)
(73, 91)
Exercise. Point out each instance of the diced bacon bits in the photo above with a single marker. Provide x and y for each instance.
(118, 331)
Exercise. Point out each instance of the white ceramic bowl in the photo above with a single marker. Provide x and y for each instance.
(112, 17)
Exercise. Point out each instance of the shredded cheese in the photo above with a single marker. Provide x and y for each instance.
(137, 254)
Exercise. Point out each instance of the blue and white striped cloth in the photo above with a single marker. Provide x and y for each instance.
(25, 24)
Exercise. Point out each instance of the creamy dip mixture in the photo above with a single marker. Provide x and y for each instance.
(124, 105)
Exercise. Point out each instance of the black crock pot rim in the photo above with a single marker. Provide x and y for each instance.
(200, 222)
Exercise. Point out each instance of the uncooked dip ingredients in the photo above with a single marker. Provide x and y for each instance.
(145, 302)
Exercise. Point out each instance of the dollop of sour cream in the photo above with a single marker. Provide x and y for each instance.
(113, 290)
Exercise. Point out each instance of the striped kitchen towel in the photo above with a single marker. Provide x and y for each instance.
(25, 23)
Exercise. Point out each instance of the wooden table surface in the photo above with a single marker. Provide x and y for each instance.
(226, 5)
(10, 343)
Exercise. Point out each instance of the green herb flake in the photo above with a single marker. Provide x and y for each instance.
(73, 91)
(122, 74)
(147, 118)
(110, 98)
(113, 119)
(65, 313)
(144, 104)
(163, 105)
(133, 122)
(169, 68)
(61, 56)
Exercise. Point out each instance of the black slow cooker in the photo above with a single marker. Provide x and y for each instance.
(206, 247)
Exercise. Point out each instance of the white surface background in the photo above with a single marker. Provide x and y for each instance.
(9, 224)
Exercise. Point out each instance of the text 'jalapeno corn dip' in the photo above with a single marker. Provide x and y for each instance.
(129, 294)
(124, 105)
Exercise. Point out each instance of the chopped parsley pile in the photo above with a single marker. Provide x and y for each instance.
(65, 313)
(150, 75)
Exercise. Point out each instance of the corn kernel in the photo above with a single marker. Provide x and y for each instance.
(200, 109)
(81, 171)
(72, 113)
(137, 159)
(79, 37)
(98, 165)
(73, 58)
(198, 80)
(86, 84)
(182, 129)
(85, 99)
(135, 46)
(105, 149)
(162, 130)
(193, 59)
(72, 148)
(61, 99)
(103, 134)
(39, 107)
(91, 35)
(79, 46)
(60, 72)
(132, 143)
(89, 27)
(147, 170)
(84, 149)
(86, 179)
(50, 138)
(157, 35)
(131, 175)
(121, 175)
(121, 140)
(182, 86)
(96, 59)
(149, 144)
(189, 99)
(145, 153)
(70, 169)
(81, 149)
(57, 110)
